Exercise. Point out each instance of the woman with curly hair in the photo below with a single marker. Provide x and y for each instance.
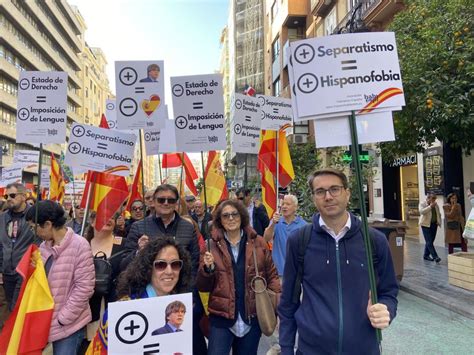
(227, 271)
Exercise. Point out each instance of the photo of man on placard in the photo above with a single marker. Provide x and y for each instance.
(174, 317)
(153, 72)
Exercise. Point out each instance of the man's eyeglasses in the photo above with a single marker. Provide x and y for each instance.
(170, 200)
(12, 195)
(241, 198)
(161, 265)
(137, 209)
(148, 198)
(334, 191)
(232, 215)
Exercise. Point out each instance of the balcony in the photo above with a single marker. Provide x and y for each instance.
(321, 7)
(378, 13)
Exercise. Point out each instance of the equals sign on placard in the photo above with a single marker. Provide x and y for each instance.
(139, 90)
(275, 110)
(248, 118)
(348, 64)
(40, 98)
(102, 146)
(149, 349)
(197, 105)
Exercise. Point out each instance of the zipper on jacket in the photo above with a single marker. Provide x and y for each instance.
(339, 296)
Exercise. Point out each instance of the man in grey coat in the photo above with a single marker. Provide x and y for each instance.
(15, 236)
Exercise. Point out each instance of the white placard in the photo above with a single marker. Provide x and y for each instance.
(110, 113)
(45, 177)
(26, 158)
(42, 107)
(11, 175)
(245, 126)
(346, 72)
(95, 148)
(371, 128)
(132, 323)
(152, 141)
(75, 187)
(168, 138)
(198, 106)
(275, 111)
(140, 94)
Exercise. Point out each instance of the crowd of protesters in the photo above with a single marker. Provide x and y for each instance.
(166, 244)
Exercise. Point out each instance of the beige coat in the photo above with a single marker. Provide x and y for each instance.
(453, 213)
(425, 214)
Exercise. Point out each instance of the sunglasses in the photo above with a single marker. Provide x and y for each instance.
(12, 195)
(161, 265)
(170, 200)
(138, 208)
(240, 198)
(234, 215)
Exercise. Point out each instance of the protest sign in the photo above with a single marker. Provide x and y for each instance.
(245, 126)
(99, 149)
(198, 106)
(45, 178)
(141, 326)
(110, 113)
(75, 187)
(168, 138)
(10, 175)
(140, 94)
(275, 112)
(42, 107)
(26, 158)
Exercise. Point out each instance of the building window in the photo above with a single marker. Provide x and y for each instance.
(330, 22)
(275, 49)
(275, 8)
(276, 88)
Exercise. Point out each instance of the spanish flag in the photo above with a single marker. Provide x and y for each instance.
(136, 191)
(267, 155)
(175, 160)
(269, 194)
(56, 181)
(107, 194)
(216, 187)
(26, 331)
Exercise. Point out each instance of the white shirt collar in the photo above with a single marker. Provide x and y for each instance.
(331, 232)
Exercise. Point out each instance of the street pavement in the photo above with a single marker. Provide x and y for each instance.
(421, 327)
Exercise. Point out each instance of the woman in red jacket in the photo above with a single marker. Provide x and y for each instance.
(226, 271)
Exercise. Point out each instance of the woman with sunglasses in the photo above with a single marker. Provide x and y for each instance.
(104, 244)
(69, 267)
(226, 271)
(137, 213)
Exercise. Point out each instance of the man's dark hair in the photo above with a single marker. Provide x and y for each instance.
(239, 206)
(174, 306)
(167, 187)
(47, 211)
(243, 190)
(328, 171)
(152, 67)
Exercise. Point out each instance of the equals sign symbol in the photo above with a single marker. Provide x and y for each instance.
(40, 98)
(102, 146)
(139, 90)
(197, 105)
(153, 349)
(275, 110)
(248, 118)
(348, 64)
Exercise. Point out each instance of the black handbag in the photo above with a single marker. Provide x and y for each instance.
(453, 225)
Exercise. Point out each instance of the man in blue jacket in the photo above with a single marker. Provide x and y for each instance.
(335, 314)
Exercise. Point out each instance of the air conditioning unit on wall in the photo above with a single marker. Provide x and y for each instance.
(299, 138)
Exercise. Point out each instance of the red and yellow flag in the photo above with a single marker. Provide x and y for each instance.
(269, 194)
(56, 182)
(103, 122)
(136, 190)
(267, 155)
(98, 345)
(108, 192)
(175, 160)
(216, 187)
(26, 331)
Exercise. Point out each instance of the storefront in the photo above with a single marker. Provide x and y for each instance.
(401, 191)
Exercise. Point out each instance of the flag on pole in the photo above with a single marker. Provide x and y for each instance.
(269, 194)
(175, 160)
(216, 187)
(249, 91)
(26, 331)
(107, 195)
(136, 192)
(56, 182)
(267, 156)
(68, 176)
(103, 122)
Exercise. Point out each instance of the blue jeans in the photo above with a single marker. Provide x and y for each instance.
(429, 233)
(69, 345)
(222, 340)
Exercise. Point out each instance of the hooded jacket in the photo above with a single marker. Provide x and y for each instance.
(332, 316)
